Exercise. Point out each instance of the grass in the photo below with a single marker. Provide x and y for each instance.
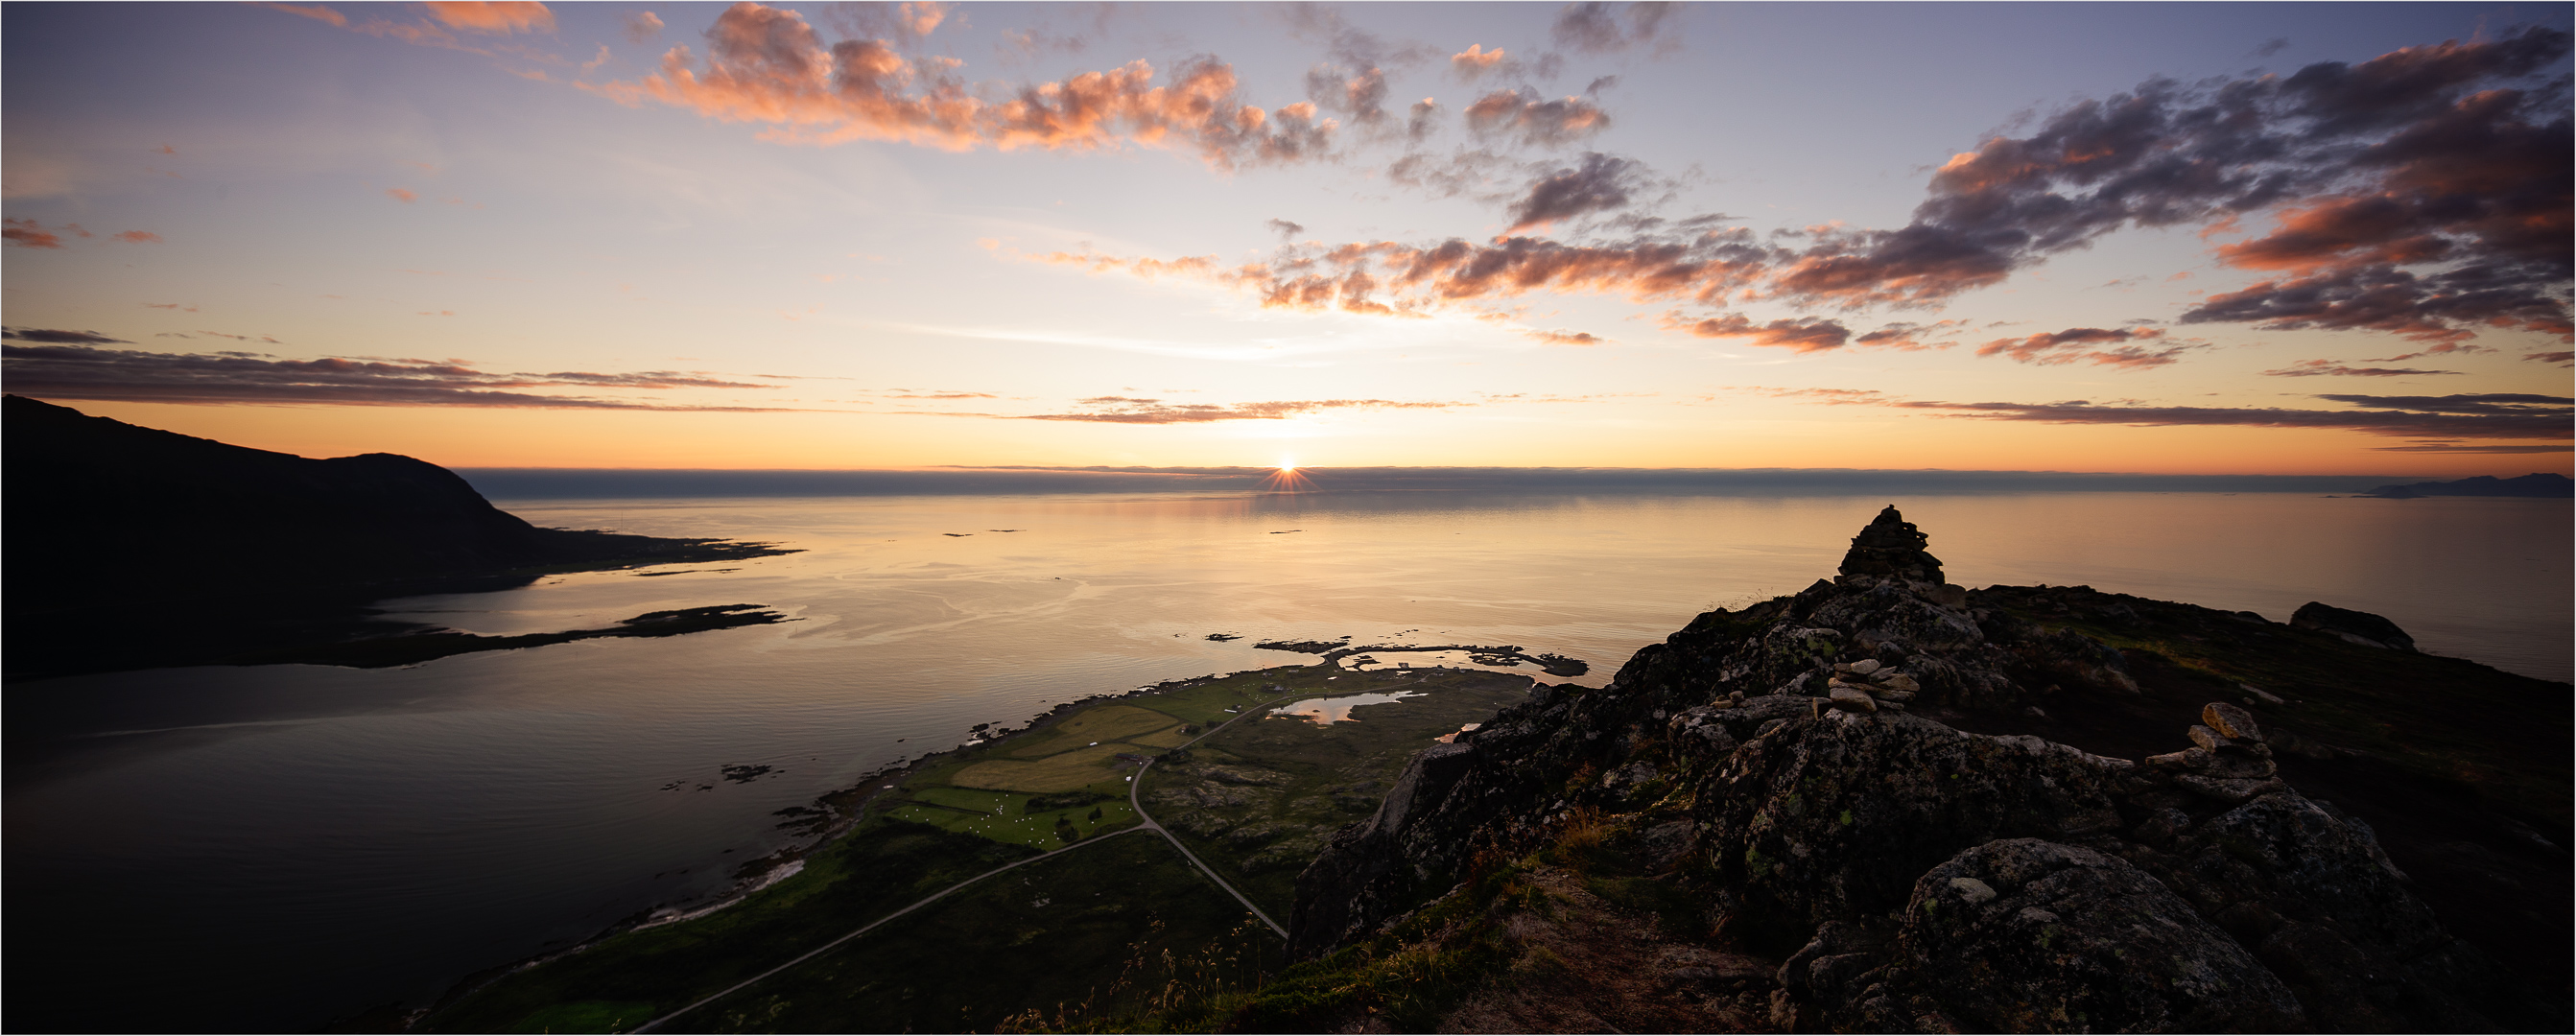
(1319, 777)
(1119, 928)
(1104, 723)
(883, 866)
(1063, 771)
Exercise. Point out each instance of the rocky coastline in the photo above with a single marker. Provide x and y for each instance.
(1889, 803)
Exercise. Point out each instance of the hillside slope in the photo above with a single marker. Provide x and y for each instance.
(1887, 803)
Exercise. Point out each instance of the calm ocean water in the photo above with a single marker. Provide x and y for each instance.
(279, 846)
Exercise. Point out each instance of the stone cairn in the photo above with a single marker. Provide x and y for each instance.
(1890, 546)
(2227, 760)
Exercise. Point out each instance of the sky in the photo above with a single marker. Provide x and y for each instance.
(2188, 238)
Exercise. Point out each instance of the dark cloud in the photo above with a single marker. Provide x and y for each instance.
(1132, 410)
(1803, 334)
(1359, 95)
(2313, 368)
(27, 233)
(2272, 46)
(2487, 403)
(1463, 172)
(2444, 418)
(1536, 122)
(1286, 228)
(2424, 193)
(1909, 336)
(2502, 422)
(48, 335)
(2427, 154)
(2475, 448)
(81, 372)
(1602, 183)
(1421, 120)
(2121, 347)
(1597, 28)
(2562, 359)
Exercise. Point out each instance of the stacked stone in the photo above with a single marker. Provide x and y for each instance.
(1890, 546)
(1868, 686)
(2228, 759)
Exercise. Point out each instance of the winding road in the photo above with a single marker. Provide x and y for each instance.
(1146, 822)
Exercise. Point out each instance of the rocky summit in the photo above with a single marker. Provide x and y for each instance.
(1821, 812)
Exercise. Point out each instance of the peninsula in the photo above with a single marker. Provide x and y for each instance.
(133, 548)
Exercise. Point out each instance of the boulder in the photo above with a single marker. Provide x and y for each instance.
(1835, 818)
(2025, 935)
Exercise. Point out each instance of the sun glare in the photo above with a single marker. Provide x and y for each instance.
(1285, 478)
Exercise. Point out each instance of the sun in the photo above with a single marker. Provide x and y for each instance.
(1285, 478)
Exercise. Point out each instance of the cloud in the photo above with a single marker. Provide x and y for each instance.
(2312, 368)
(1286, 228)
(75, 371)
(766, 65)
(2562, 359)
(642, 26)
(2483, 416)
(1566, 337)
(2120, 347)
(904, 23)
(1909, 336)
(136, 237)
(1475, 61)
(1131, 410)
(2423, 193)
(27, 233)
(1602, 183)
(401, 195)
(1594, 28)
(2272, 46)
(1802, 334)
(2475, 448)
(38, 334)
(492, 18)
(1392, 278)
(1536, 122)
(316, 12)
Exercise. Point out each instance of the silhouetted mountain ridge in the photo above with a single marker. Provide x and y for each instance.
(108, 518)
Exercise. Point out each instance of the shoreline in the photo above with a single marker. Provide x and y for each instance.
(846, 808)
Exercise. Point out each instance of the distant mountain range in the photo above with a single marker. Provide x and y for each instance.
(130, 547)
(2536, 484)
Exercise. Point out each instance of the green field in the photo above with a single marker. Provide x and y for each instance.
(1257, 800)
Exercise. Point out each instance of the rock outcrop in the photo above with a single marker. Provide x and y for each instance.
(2361, 628)
(1782, 771)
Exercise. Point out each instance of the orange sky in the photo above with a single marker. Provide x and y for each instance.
(1191, 235)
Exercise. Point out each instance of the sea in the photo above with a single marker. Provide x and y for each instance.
(283, 847)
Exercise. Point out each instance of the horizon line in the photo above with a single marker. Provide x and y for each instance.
(953, 480)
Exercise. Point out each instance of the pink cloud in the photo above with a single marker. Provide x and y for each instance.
(492, 18)
(766, 65)
(401, 195)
